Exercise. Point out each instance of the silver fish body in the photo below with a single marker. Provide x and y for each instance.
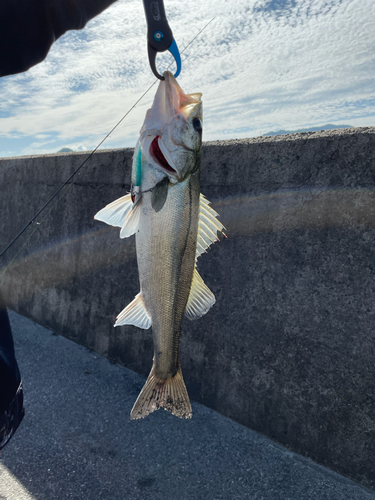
(166, 245)
(173, 224)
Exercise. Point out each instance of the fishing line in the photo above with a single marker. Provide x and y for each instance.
(78, 169)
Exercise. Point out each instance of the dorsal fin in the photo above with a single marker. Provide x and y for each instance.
(201, 299)
(208, 226)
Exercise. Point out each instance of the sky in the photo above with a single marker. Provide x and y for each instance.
(262, 65)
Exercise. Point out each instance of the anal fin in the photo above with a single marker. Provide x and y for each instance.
(135, 314)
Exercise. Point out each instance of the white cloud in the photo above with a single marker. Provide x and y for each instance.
(260, 67)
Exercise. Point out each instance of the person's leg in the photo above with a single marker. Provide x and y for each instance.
(11, 394)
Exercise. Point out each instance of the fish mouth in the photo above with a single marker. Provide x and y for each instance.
(176, 99)
(159, 156)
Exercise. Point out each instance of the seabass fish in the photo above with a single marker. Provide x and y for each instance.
(174, 225)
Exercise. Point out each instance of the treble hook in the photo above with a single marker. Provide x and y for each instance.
(159, 35)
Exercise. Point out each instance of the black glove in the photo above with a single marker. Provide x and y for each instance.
(11, 395)
(28, 28)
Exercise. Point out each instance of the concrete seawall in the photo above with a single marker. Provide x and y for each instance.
(288, 349)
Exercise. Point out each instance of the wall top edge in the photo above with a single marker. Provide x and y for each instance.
(227, 142)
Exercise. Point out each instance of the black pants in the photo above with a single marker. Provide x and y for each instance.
(11, 394)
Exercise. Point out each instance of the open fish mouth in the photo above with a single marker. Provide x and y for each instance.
(159, 154)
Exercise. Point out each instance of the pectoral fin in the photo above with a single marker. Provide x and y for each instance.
(131, 222)
(135, 314)
(122, 213)
(159, 194)
(115, 213)
(201, 299)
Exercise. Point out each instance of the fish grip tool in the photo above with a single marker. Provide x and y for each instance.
(159, 35)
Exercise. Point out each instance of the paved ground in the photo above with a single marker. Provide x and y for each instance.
(78, 442)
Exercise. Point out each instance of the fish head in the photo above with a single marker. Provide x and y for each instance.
(171, 135)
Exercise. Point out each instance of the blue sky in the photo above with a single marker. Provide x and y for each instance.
(261, 65)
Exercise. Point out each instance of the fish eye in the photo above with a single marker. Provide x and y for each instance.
(197, 124)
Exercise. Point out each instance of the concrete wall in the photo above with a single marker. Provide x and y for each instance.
(288, 349)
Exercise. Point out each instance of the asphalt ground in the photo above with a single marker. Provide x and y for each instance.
(77, 440)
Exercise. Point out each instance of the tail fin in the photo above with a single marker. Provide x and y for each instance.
(170, 394)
